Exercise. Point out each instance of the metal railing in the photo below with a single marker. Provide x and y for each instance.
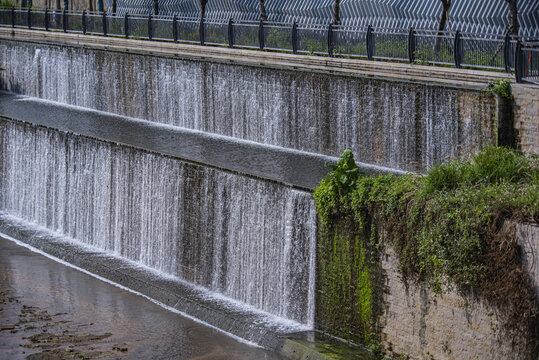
(480, 51)
(527, 61)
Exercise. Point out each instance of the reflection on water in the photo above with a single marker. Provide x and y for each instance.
(83, 315)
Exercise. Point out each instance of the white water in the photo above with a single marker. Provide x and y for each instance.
(248, 239)
(389, 123)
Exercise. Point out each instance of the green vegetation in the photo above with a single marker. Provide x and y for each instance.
(501, 87)
(7, 3)
(448, 228)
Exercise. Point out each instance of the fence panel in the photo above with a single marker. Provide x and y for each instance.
(115, 25)
(5, 16)
(138, 27)
(390, 43)
(74, 22)
(246, 34)
(21, 17)
(188, 30)
(530, 62)
(485, 51)
(350, 41)
(434, 47)
(94, 23)
(162, 28)
(278, 36)
(313, 39)
(38, 19)
(216, 32)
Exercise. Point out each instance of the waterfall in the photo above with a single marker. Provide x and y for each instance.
(245, 238)
(397, 124)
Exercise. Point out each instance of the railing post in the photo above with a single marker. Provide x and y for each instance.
(13, 16)
(84, 25)
(201, 31)
(126, 25)
(411, 45)
(230, 33)
(261, 39)
(506, 50)
(457, 47)
(46, 20)
(518, 62)
(64, 20)
(330, 40)
(150, 27)
(369, 43)
(105, 29)
(175, 28)
(29, 18)
(295, 37)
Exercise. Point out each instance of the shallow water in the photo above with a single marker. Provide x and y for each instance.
(46, 306)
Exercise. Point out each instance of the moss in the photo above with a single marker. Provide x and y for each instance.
(447, 229)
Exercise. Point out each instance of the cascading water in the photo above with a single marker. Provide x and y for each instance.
(396, 124)
(248, 239)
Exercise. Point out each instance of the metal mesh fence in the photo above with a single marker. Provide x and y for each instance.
(422, 46)
(216, 32)
(313, 39)
(434, 47)
(94, 23)
(350, 41)
(188, 30)
(246, 34)
(162, 28)
(485, 51)
(390, 44)
(278, 36)
(115, 26)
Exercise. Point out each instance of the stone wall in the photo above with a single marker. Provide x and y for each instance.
(362, 296)
(526, 122)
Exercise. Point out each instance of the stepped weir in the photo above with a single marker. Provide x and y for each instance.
(189, 179)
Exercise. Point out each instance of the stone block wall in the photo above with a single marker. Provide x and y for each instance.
(526, 121)
(408, 318)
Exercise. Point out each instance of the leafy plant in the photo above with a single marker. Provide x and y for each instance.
(7, 3)
(345, 174)
(501, 87)
(447, 227)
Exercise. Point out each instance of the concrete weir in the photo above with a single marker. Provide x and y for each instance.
(186, 173)
(133, 202)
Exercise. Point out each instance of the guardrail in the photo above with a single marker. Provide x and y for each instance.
(479, 51)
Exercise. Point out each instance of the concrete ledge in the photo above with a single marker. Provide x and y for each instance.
(353, 67)
(288, 166)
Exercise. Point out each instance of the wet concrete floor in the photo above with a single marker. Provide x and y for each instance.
(51, 311)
